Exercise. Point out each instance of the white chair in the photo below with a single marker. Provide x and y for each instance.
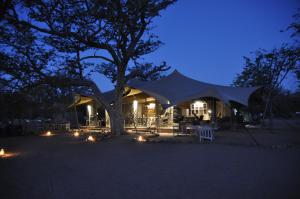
(205, 133)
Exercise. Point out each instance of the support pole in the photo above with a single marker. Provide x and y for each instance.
(77, 123)
(214, 112)
(157, 117)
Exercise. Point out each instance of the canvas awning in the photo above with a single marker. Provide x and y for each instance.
(80, 99)
(177, 88)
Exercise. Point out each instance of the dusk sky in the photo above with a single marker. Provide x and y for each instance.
(207, 39)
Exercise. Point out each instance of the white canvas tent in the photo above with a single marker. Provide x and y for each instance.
(177, 88)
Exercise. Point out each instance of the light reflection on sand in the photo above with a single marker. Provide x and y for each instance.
(9, 155)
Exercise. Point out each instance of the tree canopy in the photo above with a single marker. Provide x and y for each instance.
(74, 38)
(269, 68)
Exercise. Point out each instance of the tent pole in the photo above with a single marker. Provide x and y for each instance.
(77, 123)
(214, 112)
(156, 117)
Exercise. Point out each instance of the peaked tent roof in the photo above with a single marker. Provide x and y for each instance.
(177, 88)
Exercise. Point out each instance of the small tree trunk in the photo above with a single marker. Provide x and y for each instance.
(268, 102)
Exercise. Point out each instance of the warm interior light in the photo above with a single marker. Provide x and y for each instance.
(76, 134)
(135, 105)
(2, 152)
(198, 104)
(151, 106)
(89, 109)
(91, 138)
(235, 111)
(209, 111)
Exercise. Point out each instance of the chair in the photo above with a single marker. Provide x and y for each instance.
(205, 133)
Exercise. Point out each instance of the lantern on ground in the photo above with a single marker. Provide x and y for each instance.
(48, 133)
(2, 153)
(91, 139)
(141, 139)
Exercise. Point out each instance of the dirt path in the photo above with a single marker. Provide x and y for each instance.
(65, 167)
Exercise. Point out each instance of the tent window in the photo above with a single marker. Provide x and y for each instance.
(198, 107)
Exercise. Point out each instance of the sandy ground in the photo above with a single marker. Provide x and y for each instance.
(66, 167)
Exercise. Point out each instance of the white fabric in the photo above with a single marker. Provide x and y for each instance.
(177, 88)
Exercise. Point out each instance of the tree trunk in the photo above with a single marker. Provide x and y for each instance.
(213, 112)
(268, 101)
(116, 115)
(116, 118)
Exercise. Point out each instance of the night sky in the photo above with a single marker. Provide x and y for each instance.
(207, 39)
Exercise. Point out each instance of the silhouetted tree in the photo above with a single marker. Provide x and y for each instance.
(117, 33)
(295, 28)
(268, 70)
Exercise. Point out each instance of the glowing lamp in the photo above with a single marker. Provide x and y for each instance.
(2, 152)
(76, 134)
(141, 139)
(135, 105)
(91, 139)
(49, 133)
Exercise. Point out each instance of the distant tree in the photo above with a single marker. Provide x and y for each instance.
(295, 28)
(28, 75)
(117, 33)
(268, 70)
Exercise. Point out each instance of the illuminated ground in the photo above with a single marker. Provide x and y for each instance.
(65, 167)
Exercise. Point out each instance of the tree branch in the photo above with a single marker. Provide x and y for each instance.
(97, 57)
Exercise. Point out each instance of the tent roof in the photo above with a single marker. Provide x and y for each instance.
(81, 99)
(177, 88)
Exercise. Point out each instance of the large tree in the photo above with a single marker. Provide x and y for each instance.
(268, 69)
(114, 32)
(295, 28)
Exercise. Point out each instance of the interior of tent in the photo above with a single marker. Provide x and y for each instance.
(167, 103)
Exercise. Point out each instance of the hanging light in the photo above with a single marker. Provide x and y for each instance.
(135, 105)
